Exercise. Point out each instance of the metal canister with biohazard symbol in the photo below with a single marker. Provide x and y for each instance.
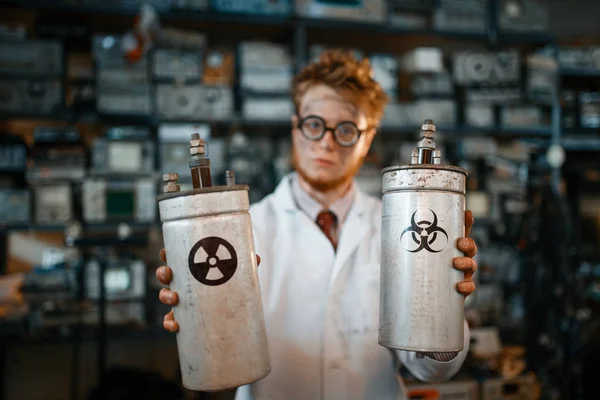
(423, 216)
(209, 244)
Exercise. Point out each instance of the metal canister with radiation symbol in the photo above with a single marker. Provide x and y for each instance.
(209, 244)
(423, 216)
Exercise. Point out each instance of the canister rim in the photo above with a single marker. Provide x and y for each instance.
(211, 189)
(425, 166)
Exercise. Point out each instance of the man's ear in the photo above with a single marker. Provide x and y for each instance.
(294, 121)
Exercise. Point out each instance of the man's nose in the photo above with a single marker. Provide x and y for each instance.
(327, 141)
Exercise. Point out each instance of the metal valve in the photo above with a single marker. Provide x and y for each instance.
(199, 163)
(425, 153)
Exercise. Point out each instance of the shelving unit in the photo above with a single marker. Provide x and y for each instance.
(299, 32)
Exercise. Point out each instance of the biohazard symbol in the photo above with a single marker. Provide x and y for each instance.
(212, 261)
(425, 233)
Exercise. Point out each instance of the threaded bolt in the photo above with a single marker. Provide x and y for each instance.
(230, 177)
(428, 128)
(171, 185)
(198, 147)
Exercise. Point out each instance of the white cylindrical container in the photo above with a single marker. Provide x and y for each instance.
(209, 245)
(423, 216)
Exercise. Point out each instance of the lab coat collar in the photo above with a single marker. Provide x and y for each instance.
(284, 199)
(353, 231)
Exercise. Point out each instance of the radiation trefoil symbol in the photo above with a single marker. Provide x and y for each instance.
(426, 234)
(212, 261)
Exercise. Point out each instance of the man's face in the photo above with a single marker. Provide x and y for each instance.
(323, 163)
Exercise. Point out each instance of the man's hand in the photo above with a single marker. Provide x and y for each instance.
(164, 274)
(467, 264)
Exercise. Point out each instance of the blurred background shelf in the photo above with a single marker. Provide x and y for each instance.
(510, 175)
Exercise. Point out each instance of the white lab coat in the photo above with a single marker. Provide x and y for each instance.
(321, 308)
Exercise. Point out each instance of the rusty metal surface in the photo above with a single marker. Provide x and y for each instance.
(424, 177)
(211, 189)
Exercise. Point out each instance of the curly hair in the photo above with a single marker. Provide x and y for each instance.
(350, 77)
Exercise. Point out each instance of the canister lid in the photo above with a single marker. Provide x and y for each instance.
(210, 189)
(425, 166)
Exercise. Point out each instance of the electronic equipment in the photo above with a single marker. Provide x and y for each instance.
(124, 279)
(397, 115)
(486, 68)
(241, 155)
(80, 90)
(408, 20)
(15, 206)
(13, 153)
(467, 16)
(53, 202)
(586, 58)
(521, 117)
(122, 88)
(436, 84)
(542, 82)
(122, 151)
(194, 102)
(493, 95)
(174, 147)
(269, 108)
(265, 67)
(315, 51)
(123, 92)
(58, 163)
(219, 67)
(385, 71)
(262, 7)
(479, 115)
(14, 196)
(357, 10)
(50, 292)
(410, 14)
(282, 161)
(423, 59)
(444, 112)
(522, 16)
(34, 58)
(589, 109)
(41, 96)
(125, 289)
(57, 154)
(173, 65)
(119, 199)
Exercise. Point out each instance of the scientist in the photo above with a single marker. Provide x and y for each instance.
(319, 240)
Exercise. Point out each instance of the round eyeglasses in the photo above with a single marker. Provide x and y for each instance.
(346, 133)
